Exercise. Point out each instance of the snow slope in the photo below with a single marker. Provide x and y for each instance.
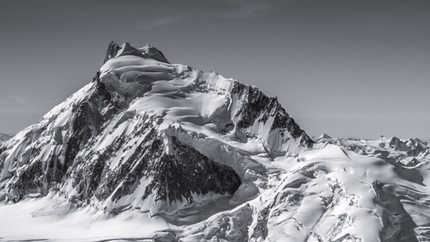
(328, 194)
(155, 151)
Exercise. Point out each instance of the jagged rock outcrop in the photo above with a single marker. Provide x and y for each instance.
(259, 108)
(111, 51)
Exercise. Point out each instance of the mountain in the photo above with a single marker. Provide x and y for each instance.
(154, 151)
(324, 136)
(144, 134)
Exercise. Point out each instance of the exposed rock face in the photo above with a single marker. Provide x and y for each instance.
(175, 180)
(114, 50)
(111, 51)
(258, 108)
(412, 147)
(128, 139)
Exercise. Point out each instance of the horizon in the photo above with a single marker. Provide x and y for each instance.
(347, 69)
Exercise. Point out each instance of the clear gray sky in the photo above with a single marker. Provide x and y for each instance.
(346, 68)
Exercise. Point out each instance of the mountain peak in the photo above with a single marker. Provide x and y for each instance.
(324, 136)
(145, 133)
(149, 52)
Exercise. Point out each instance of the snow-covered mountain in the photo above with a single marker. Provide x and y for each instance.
(144, 134)
(161, 151)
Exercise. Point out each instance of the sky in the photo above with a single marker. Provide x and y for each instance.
(343, 67)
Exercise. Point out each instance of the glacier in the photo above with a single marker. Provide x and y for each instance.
(154, 151)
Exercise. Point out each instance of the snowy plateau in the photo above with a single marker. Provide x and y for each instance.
(154, 151)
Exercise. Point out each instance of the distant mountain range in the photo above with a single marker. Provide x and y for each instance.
(5, 137)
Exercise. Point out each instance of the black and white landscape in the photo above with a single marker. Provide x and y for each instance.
(165, 152)
(216, 120)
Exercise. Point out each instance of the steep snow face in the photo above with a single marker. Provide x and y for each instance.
(151, 136)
